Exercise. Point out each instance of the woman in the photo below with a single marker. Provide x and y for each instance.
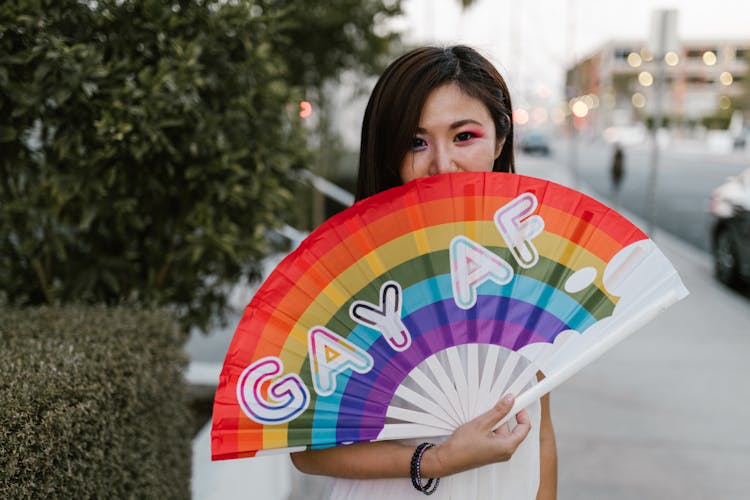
(437, 111)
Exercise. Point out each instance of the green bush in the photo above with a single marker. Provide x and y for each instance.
(143, 150)
(145, 145)
(92, 404)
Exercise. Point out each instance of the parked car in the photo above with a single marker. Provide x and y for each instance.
(730, 234)
(535, 143)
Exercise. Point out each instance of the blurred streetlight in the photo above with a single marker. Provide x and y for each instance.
(591, 100)
(579, 108)
(520, 116)
(709, 58)
(671, 58)
(726, 78)
(634, 59)
(638, 100)
(645, 78)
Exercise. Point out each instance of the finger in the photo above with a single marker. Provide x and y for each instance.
(522, 417)
(497, 412)
(523, 426)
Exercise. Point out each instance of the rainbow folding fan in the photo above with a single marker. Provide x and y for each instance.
(413, 311)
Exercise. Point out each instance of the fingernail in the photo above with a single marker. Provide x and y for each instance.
(508, 398)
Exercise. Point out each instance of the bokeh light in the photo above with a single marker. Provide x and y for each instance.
(709, 58)
(671, 58)
(580, 108)
(638, 100)
(591, 100)
(726, 78)
(645, 78)
(544, 91)
(634, 59)
(305, 109)
(539, 115)
(520, 116)
(725, 102)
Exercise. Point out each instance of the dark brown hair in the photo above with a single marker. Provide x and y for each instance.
(392, 114)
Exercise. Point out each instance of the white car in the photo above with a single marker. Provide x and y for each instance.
(730, 234)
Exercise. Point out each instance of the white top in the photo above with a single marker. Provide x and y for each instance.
(517, 479)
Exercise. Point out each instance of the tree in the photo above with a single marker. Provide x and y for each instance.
(321, 38)
(145, 146)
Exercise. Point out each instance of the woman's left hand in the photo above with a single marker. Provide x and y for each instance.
(475, 444)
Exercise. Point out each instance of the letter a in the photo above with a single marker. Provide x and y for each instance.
(472, 265)
(331, 354)
(518, 233)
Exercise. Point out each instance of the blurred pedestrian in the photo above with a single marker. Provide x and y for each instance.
(454, 117)
(617, 172)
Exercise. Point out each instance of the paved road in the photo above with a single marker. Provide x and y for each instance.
(686, 175)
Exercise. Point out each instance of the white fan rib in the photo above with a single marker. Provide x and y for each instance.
(459, 379)
(449, 390)
(409, 431)
(416, 417)
(526, 376)
(498, 388)
(425, 404)
(488, 377)
(472, 377)
(435, 393)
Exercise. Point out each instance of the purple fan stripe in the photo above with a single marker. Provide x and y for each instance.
(493, 320)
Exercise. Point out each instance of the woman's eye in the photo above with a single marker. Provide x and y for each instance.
(418, 144)
(464, 136)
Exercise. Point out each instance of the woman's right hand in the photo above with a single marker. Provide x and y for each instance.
(475, 443)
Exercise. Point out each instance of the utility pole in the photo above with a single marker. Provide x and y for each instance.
(572, 91)
(663, 39)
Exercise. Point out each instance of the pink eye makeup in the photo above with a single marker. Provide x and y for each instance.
(468, 135)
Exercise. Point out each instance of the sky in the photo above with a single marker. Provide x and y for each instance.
(533, 41)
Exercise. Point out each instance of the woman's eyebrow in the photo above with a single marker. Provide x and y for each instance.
(455, 125)
(468, 121)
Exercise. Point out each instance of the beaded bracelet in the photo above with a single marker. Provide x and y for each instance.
(416, 476)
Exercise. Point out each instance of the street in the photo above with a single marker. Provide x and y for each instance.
(685, 179)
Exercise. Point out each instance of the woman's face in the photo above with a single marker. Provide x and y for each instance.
(455, 134)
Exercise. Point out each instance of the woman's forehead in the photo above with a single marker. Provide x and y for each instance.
(448, 103)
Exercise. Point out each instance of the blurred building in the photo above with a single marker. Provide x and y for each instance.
(704, 80)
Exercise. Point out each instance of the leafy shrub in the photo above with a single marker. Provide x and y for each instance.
(92, 404)
(145, 145)
(143, 150)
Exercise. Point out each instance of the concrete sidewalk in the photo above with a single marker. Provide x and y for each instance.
(661, 415)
